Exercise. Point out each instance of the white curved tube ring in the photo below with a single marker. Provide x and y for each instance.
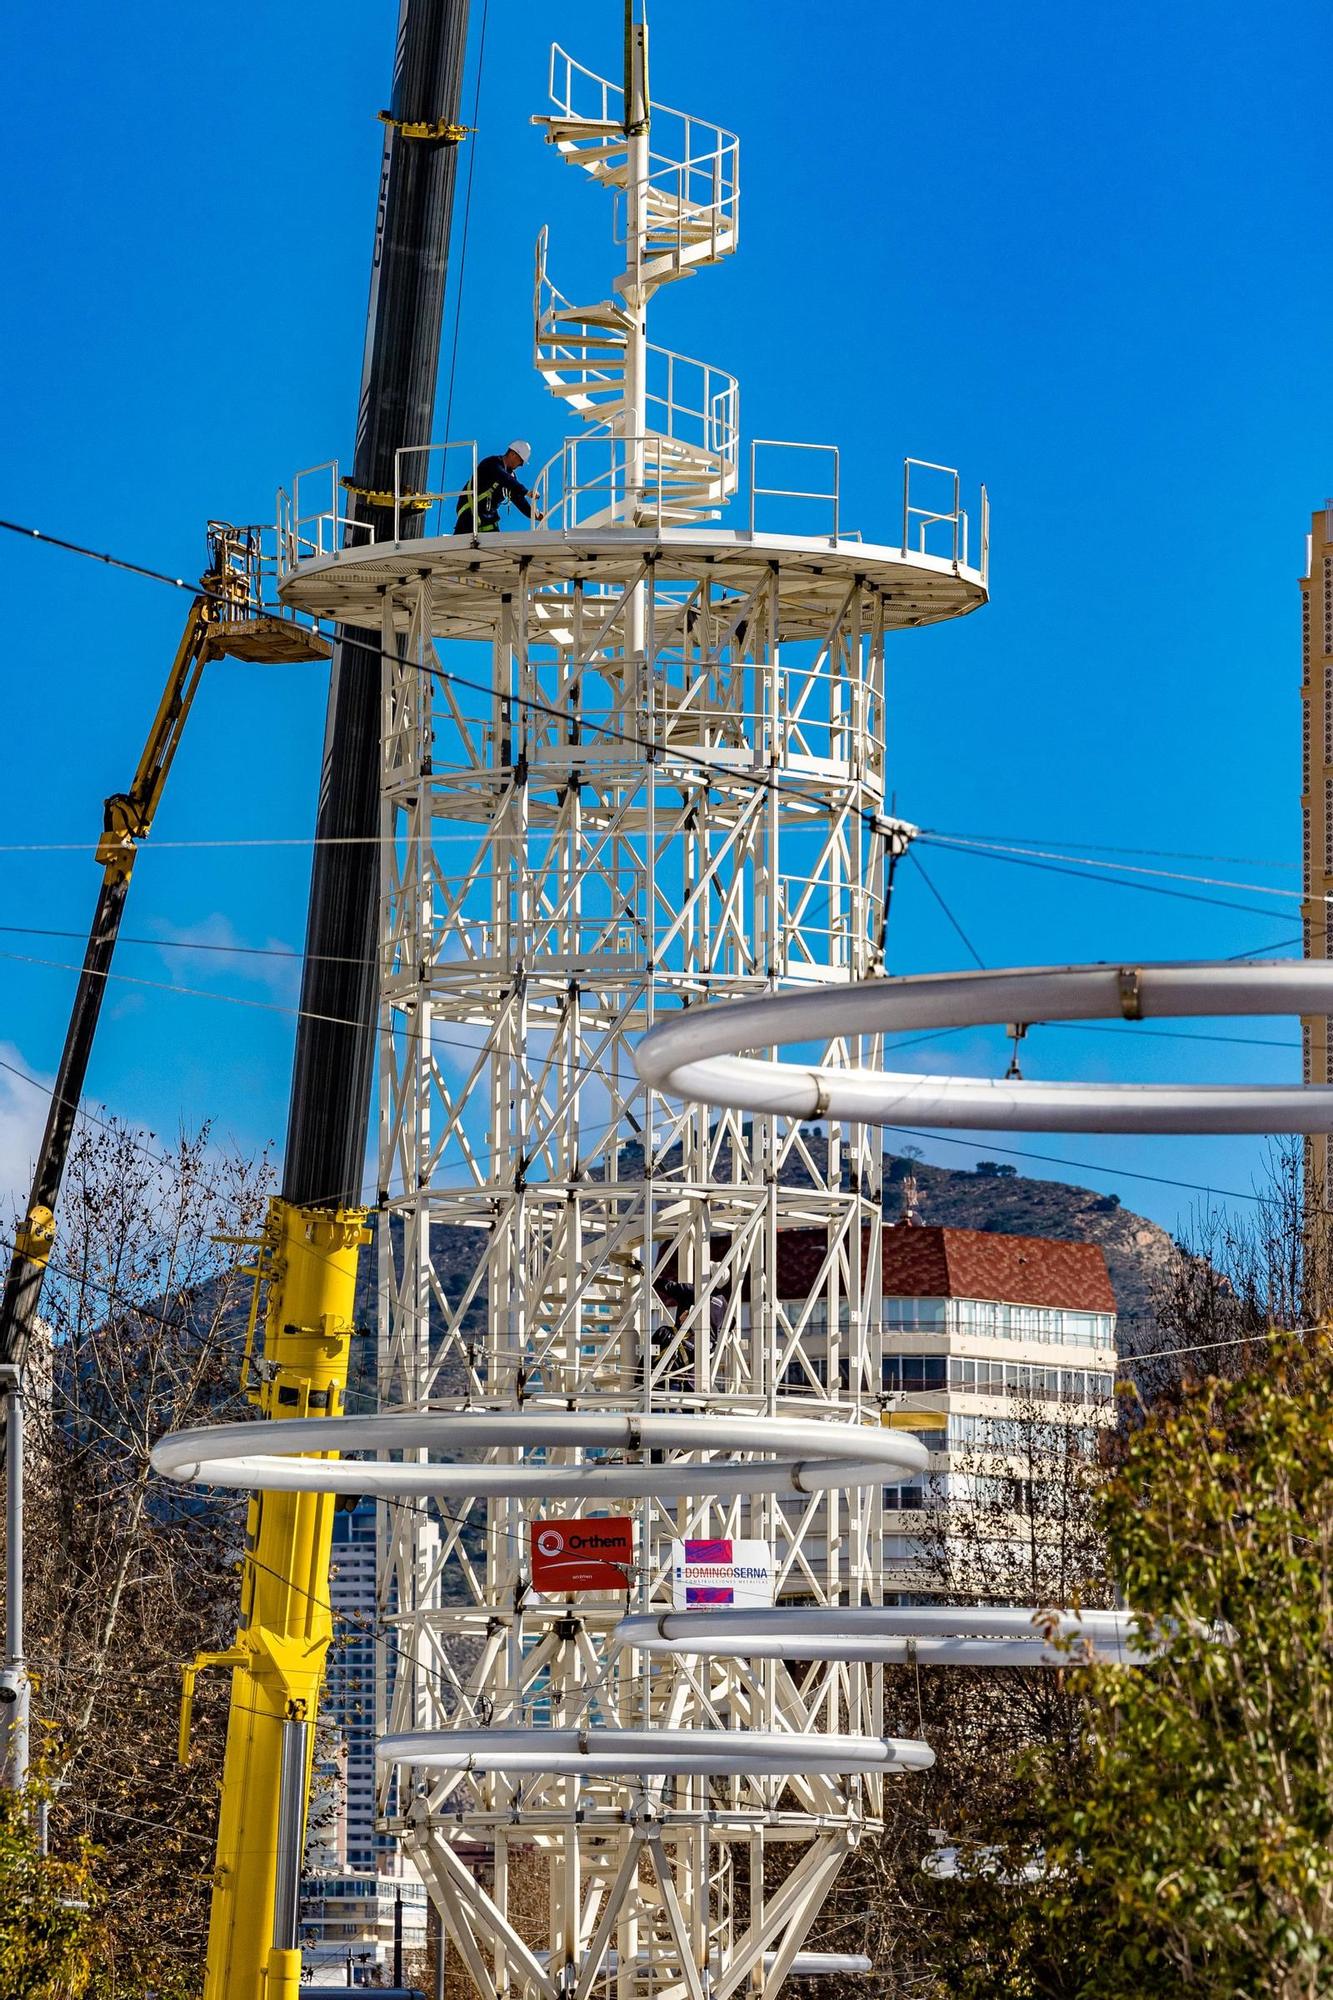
(613, 1753)
(808, 1456)
(930, 1635)
(820, 1964)
(696, 1054)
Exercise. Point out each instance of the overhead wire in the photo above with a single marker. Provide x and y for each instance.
(1252, 1339)
(1110, 880)
(1101, 847)
(767, 781)
(467, 216)
(967, 843)
(1090, 1166)
(763, 780)
(917, 863)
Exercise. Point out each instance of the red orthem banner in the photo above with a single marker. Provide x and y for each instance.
(592, 1554)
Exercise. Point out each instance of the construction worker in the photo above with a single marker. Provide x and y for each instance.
(495, 482)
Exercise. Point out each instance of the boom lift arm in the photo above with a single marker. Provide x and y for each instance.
(223, 619)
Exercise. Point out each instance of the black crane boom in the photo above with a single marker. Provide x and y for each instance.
(334, 1062)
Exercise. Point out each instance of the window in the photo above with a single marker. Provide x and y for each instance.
(904, 1315)
(798, 1374)
(997, 1321)
(905, 1499)
(900, 1547)
(915, 1371)
(933, 1436)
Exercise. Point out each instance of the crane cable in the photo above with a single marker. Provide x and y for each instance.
(467, 217)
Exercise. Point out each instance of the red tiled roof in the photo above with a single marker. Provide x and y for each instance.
(981, 1264)
(933, 1262)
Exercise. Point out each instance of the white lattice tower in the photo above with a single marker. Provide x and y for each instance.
(666, 787)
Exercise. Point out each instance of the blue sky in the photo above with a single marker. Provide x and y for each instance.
(1081, 255)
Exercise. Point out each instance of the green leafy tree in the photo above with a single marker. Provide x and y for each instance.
(1186, 1844)
(46, 1923)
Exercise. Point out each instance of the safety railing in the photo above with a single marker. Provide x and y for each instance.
(935, 522)
(244, 573)
(312, 520)
(244, 563)
(692, 403)
(429, 483)
(580, 94)
(688, 455)
(824, 496)
(692, 204)
(566, 346)
(689, 401)
(598, 479)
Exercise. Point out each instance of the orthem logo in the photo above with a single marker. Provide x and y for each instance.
(595, 1552)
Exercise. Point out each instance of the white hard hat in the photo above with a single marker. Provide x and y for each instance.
(522, 449)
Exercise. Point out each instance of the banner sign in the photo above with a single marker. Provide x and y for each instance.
(721, 1572)
(592, 1554)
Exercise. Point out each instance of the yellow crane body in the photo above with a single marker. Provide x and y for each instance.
(308, 1262)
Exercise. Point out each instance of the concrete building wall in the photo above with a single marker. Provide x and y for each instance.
(985, 1340)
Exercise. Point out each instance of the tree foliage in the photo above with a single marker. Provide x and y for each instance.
(1183, 1843)
(127, 1576)
(46, 1918)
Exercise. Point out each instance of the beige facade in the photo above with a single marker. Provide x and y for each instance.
(993, 1388)
(997, 1352)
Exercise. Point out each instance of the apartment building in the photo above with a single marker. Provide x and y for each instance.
(991, 1347)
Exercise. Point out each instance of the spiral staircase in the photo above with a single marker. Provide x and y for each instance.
(662, 443)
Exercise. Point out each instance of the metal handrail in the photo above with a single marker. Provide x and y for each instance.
(416, 498)
(565, 103)
(302, 537)
(608, 90)
(564, 511)
(928, 517)
(794, 492)
(721, 208)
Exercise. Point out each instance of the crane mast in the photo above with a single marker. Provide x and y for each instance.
(308, 1257)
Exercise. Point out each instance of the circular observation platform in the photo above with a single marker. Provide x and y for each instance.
(470, 576)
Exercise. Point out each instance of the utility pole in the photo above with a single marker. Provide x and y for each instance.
(14, 1689)
(1317, 906)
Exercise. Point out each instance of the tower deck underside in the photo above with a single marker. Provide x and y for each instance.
(661, 782)
(469, 577)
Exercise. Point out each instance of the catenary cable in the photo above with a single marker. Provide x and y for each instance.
(764, 781)
(467, 216)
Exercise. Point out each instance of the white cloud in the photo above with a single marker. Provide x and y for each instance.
(23, 1108)
(220, 951)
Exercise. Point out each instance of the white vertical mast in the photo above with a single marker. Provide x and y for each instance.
(634, 416)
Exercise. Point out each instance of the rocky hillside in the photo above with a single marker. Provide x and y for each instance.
(1139, 1254)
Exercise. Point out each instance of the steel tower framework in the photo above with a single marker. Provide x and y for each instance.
(665, 785)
